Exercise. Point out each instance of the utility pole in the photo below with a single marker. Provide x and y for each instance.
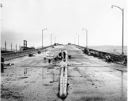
(122, 10)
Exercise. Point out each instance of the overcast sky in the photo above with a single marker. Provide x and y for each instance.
(25, 19)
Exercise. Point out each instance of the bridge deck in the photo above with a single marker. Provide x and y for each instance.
(89, 78)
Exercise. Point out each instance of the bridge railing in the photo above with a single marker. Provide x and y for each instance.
(13, 55)
(108, 57)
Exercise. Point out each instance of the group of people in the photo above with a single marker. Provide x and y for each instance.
(63, 83)
(62, 56)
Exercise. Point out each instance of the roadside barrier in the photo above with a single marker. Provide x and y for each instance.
(108, 57)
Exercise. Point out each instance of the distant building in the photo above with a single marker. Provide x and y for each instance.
(24, 47)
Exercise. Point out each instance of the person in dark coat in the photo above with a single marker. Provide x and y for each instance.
(60, 56)
(64, 55)
(2, 64)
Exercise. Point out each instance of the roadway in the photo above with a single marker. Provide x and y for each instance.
(89, 78)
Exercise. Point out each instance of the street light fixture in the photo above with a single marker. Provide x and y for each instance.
(122, 10)
(84, 29)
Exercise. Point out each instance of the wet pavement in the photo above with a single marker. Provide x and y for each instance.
(89, 78)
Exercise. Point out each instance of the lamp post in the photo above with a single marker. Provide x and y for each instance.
(74, 40)
(11, 46)
(122, 10)
(84, 29)
(42, 35)
(51, 38)
(78, 38)
(1, 22)
(5, 46)
(55, 39)
(16, 47)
